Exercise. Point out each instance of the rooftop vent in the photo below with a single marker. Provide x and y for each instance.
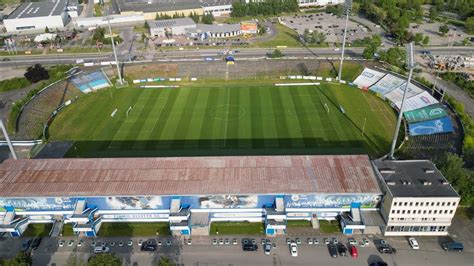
(387, 171)
(391, 183)
(429, 171)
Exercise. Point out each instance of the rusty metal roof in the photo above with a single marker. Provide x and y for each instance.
(187, 176)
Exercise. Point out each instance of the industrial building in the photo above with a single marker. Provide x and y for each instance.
(170, 27)
(418, 200)
(150, 8)
(188, 192)
(39, 15)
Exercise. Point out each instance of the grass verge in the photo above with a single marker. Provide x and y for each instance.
(134, 229)
(329, 227)
(298, 223)
(38, 230)
(236, 228)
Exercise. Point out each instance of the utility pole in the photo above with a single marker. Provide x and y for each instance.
(347, 9)
(410, 66)
(7, 138)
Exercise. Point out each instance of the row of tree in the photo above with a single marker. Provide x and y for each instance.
(207, 18)
(265, 8)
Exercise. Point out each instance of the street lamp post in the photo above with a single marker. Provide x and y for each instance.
(410, 66)
(7, 138)
(347, 9)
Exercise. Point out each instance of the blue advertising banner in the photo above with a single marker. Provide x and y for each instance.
(330, 201)
(442, 125)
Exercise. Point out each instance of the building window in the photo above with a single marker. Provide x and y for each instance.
(445, 211)
(435, 211)
(432, 203)
(398, 211)
(451, 212)
(403, 211)
(424, 211)
(395, 203)
(421, 203)
(405, 204)
(429, 212)
(408, 212)
(454, 203)
(443, 203)
(448, 203)
(437, 203)
(411, 203)
(393, 211)
(433, 228)
(434, 219)
(419, 211)
(416, 203)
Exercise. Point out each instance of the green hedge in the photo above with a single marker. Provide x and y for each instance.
(13, 84)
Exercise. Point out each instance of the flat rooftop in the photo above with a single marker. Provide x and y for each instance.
(339, 174)
(149, 6)
(39, 9)
(414, 178)
(167, 23)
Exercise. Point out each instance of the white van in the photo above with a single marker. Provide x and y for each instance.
(101, 250)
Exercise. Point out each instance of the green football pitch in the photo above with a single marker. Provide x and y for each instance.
(226, 119)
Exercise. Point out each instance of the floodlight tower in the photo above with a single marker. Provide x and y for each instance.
(7, 138)
(410, 66)
(120, 80)
(347, 10)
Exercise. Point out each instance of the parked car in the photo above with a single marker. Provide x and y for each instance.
(365, 241)
(379, 263)
(353, 251)
(36, 243)
(61, 243)
(413, 243)
(387, 249)
(268, 248)
(214, 241)
(288, 241)
(149, 247)
(130, 243)
(168, 242)
(294, 249)
(93, 243)
(101, 250)
(226, 241)
(249, 245)
(342, 249)
(140, 242)
(70, 243)
(263, 241)
(298, 241)
(352, 241)
(234, 241)
(326, 241)
(120, 244)
(453, 246)
(112, 244)
(310, 241)
(79, 244)
(332, 250)
(334, 240)
(189, 242)
(221, 241)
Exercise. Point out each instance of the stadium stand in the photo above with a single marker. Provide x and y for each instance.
(387, 84)
(92, 81)
(38, 110)
(367, 78)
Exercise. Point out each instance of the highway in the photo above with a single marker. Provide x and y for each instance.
(194, 54)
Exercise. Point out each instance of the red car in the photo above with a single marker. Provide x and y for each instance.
(353, 251)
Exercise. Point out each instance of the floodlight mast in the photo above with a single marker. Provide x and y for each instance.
(120, 80)
(410, 66)
(7, 138)
(347, 9)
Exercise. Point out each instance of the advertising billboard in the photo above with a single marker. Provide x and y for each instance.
(248, 27)
(430, 112)
(442, 125)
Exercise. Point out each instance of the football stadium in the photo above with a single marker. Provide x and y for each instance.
(265, 151)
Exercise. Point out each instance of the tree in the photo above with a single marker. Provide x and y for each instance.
(36, 73)
(394, 56)
(165, 261)
(22, 258)
(207, 18)
(443, 29)
(104, 259)
(369, 52)
(46, 30)
(276, 54)
(433, 13)
(462, 179)
(426, 40)
(470, 25)
(418, 38)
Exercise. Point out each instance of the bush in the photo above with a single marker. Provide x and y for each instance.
(13, 84)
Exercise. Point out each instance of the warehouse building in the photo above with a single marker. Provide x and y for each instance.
(169, 27)
(187, 192)
(38, 15)
(418, 200)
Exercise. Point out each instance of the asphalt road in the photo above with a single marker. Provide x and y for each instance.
(192, 53)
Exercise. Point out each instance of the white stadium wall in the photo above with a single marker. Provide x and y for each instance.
(367, 78)
(35, 23)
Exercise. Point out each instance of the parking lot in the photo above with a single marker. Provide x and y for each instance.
(331, 25)
(454, 36)
(203, 249)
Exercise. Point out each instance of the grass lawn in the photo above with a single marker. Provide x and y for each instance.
(237, 228)
(217, 118)
(133, 229)
(329, 227)
(67, 230)
(298, 223)
(38, 230)
(284, 37)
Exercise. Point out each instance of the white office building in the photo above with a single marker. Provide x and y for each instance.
(37, 16)
(418, 200)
